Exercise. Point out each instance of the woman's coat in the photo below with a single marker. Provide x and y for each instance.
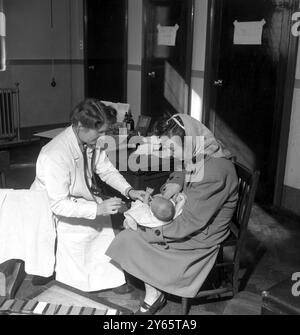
(177, 257)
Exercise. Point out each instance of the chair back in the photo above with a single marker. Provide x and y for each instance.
(4, 167)
(247, 185)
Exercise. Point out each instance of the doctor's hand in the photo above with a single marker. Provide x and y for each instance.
(170, 190)
(109, 206)
(136, 194)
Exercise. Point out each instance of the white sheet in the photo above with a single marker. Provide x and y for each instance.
(27, 230)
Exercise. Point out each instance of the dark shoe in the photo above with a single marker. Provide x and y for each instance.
(155, 307)
(123, 289)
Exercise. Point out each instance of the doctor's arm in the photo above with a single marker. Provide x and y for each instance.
(111, 176)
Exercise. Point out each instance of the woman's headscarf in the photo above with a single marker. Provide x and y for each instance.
(201, 146)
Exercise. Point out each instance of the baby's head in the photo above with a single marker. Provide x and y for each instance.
(163, 209)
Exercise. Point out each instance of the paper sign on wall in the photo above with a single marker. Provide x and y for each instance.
(167, 34)
(2, 24)
(248, 32)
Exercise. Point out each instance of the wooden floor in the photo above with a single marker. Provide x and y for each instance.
(271, 254)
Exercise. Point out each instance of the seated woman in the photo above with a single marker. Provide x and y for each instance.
(188, 246)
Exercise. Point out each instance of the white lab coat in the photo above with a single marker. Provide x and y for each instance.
(82, 237)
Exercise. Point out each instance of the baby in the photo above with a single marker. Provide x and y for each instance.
(154, 211)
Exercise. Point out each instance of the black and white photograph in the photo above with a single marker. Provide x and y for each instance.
(149, 161)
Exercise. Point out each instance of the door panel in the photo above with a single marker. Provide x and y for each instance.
(166, 68)
(106, 49)
(244, 112)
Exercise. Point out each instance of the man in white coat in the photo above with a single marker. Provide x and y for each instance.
(84, 231)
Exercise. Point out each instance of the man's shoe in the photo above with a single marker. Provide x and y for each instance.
(123, 289)
(152, 309)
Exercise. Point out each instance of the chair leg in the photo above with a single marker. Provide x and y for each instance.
(235, 280)
(185, 305)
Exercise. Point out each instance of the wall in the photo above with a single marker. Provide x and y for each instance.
(200, 23)
(135, 46)
(135, 50)
(32, 45)
(37, 51)
(291, 192)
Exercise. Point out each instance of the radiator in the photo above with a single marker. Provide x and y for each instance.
(9, 113)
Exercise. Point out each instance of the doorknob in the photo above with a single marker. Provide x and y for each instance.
(151, 74)
(218, 82)
(91, 67)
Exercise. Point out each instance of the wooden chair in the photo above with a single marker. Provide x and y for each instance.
(246, 192)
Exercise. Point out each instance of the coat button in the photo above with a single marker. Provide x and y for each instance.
(157, 232)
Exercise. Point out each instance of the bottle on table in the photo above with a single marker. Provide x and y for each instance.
(125, 120)
(130, 122)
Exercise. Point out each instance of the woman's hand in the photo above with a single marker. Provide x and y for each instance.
(136, 194)
(170, 190)
(109, 206)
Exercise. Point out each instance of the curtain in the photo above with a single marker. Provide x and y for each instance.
(2, 38)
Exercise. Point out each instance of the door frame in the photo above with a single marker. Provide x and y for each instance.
(285, 90)
(125, 51)
(189, 52)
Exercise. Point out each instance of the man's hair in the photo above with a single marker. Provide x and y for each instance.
(92, 114)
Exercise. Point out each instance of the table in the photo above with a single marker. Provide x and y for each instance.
(49, 134)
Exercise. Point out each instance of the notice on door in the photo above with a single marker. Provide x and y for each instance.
(248, 32)
(167, 34)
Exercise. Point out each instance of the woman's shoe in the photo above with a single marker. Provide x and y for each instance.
(152, 309)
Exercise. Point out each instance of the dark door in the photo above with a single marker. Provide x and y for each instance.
(106, 49)
(246, 82)
(167, 56)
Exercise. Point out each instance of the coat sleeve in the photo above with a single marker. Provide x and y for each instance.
(202, 205)
(55, 175)
(110, 175)
(203, 202)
